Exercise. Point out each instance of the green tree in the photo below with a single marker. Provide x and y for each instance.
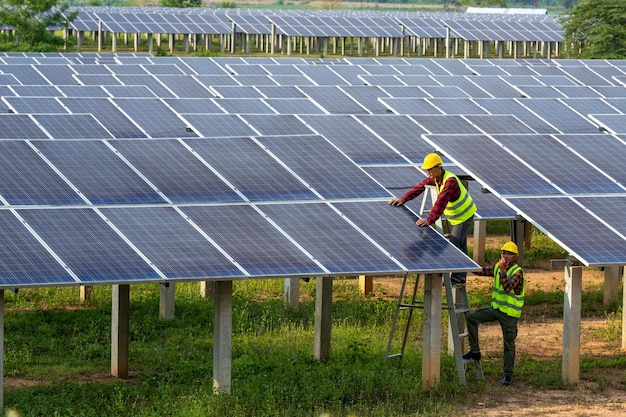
(32, 22)
(180, 3)
(597, 29)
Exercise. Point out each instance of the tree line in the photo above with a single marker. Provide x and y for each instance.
(593, 29)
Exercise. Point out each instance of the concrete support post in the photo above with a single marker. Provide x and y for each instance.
(167, 302)
(207, 289)
(480, 238)
(80, 39)
(86, 293)
(366, 284)
(136, 41)
(186, 43)
(100, 37)
(571, 325)
(611, 284)
(292, 293)
(431, 353)
(323, 307)
(223, 337)
(120, 324)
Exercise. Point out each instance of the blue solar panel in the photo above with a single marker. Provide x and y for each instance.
(25, 179)
(88, 245)
(560, 166)
(585, 237)
(154, 117)
(394, 229)
(72, 126)
(18, 126)
(328, 171)
(608, 209)
(277, 124)
(604, 151)
(25, 261)
(250, 169)
(219, 125)
(487, 161)
(109, 115)
(175, 171)
(333, 100)
(169, 241)
(329, 238)
(448, 124)
(266, 252)
(401, 133)
(184, 86)
(498, 124)
(354, 139)
(98, 173)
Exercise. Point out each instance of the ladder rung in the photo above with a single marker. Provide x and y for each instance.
(410, 306)
(395, 355)
(461, 310)
(463, 335)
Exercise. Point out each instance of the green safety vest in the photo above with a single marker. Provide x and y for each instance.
(507, 302)
(463, 208)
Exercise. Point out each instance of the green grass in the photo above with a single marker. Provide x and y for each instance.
(60, 351)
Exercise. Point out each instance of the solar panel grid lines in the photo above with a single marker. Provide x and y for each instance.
(606, 209)
(563, 168)
(498, 124)
(176, 172)
(90, 248)
(268, 252)
(495, 167)
(602, 246)
(323, 166)
(97, 172)
(171, 243)
(248, 168)
(26, 261)
(560, 116)
(606, 152)
(335, 248)
(354, 138)
(613, 123)
(71, 126)
(16, 126)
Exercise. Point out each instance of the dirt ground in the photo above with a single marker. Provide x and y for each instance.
(599, 393)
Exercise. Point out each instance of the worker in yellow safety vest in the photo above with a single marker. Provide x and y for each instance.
(453, 201)
(507, 300)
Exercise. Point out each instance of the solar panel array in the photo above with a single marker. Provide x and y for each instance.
(186, 168)
(320, 23)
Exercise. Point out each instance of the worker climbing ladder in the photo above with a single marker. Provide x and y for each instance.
(457, 306)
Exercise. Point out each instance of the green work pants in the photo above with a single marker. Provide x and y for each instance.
(509, 332)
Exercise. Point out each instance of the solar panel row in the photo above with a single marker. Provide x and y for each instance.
(320, 23)
(196, 168)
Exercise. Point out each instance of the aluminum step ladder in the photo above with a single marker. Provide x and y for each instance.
(458, 308)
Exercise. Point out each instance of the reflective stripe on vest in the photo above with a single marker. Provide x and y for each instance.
(507, 302)
(463, 208)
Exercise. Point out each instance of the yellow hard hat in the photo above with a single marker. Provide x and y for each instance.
(431, 160)
(510, 247)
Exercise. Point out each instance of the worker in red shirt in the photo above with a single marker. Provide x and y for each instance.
(453, 201)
